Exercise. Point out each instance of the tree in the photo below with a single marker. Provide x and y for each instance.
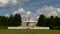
(41, 20)
(5, 21)
(17, 20)
(14, 20)
(57, 21)
(51, 21)
(1, 21)
(10, 21)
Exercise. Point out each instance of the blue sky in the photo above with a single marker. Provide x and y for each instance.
(33, 7)
(35, 4)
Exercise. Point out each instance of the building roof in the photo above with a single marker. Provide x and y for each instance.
(29, 21)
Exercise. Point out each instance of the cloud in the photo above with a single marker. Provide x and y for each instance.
(4, 3)
(6, 15)
(41, 2)
(20, 11)
(45, 10)
(9, 6)
(25, 14)
(28, 12)
(58, 9)
(48, 11)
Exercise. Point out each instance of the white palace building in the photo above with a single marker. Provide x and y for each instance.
(28, 25)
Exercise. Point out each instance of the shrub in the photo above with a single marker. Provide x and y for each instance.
(3, 27)
(55, 28)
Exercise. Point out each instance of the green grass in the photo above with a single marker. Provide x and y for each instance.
(3, 27)
(6, 31)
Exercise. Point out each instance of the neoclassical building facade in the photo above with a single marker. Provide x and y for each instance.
(29, 23)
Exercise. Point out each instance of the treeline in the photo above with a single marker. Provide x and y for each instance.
(52, 22)
(15, 20)
(10, 21)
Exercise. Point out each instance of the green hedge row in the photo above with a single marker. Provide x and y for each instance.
(3, 27)
(55, 28)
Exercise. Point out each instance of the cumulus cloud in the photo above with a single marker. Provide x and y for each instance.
(6, 15)
(45, 10)
(19, 11)
(25, 14)
(28, 13)
(4, 3)
(48, 11)
(22, 12)
(58, 9)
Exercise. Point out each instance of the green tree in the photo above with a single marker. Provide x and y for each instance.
(14, 20)
(1, 21)
(41, 20)
(10, 21)
(50, 21)
(17, 20)
(5, 21)
(57, 21)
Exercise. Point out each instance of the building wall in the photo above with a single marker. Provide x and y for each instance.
(24, 24)
(28, 24)
(32, 24)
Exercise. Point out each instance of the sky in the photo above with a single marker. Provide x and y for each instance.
(30, 8)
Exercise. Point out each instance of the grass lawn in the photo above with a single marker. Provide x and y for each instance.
(6, 31)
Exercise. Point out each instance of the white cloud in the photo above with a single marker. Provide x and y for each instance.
(58, 9)
(4, 3)
(48, 11)
(28, 13)
(22, 12)
(6, 15)
(19, 11)
(25, 14)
